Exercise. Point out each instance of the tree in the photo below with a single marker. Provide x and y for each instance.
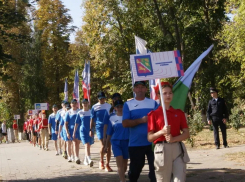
(52, 20)
(14, 30)
(189, 26)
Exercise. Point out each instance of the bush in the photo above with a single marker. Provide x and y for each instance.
(236, 119)
(5, 114)
(195, 124)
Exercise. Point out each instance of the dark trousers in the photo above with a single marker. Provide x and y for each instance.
(216, 125)
(37, 137)
(137, 162)
(27, 135)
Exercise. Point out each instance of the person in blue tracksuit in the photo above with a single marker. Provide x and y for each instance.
(119, 138)
(83, 119)
(69, 127)
(135, 118)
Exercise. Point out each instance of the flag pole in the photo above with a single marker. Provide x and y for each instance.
(162, 103)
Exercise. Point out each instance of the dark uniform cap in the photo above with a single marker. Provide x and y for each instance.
(140, 83)
(101, 95)
(63, 102)
(118, 102)
(84, 100)
(116, 95)
(212, 89)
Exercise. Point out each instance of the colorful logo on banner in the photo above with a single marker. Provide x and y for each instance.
(143, 65)
(38, 106)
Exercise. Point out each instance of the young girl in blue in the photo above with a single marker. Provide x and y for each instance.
(119, 137)
(83, 119)
(69, 127)
(62, 131)
(52, 126)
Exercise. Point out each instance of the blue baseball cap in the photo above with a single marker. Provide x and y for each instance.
(55, 106)
(115, 95)
(74, 100)
(139, 83)
(84, 100)
(101, 95)
(118, 102)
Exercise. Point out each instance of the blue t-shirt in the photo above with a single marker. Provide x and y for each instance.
(135, 109)
(83, 119)
(58, 115)
(51, 120)
(61, 117)
(70, 117)
(116, 129)
(100, 114)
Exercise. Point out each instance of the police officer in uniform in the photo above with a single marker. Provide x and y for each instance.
(218, 114)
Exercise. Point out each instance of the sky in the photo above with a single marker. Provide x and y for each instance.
(76, 13)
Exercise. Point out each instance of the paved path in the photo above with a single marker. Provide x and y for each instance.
(22, 162)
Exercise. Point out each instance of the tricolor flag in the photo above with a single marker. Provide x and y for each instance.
(141, 49)
(76, 88)
(66, 90)
(86, 80)
(153, 88)
(183, 84)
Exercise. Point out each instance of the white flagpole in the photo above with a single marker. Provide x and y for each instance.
(162, 102)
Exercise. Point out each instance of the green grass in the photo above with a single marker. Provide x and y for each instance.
(205, 139)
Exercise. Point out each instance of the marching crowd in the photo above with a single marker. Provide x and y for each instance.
(127, 129)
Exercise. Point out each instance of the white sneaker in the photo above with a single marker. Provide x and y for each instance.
(85, 162)
(57, 153)
(69, 159)
(90, 162)
(77, 160)
(60, 152)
